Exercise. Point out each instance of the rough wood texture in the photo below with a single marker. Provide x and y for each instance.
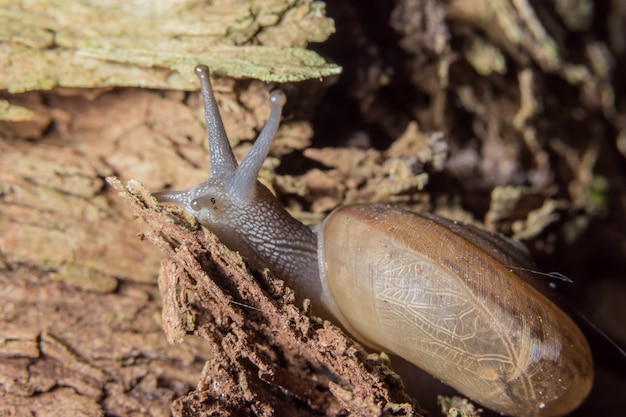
(508, 113)
(47, 43)
(269, 357)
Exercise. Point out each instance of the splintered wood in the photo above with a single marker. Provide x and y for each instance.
(270, 357)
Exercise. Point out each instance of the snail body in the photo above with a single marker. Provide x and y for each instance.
(442, 295)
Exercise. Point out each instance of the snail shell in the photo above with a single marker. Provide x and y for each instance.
(445, 296)
(412, 285)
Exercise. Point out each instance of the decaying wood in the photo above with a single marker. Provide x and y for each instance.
(507, 113)
(46, 43)
(76, 352)
(270, 358)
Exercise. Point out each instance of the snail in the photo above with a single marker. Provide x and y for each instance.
(448, 297)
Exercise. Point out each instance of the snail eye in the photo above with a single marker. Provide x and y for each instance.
(202, 202)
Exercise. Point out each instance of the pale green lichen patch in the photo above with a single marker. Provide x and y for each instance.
(484, 57)
(266, 63)
(457, 407)
(14, 113)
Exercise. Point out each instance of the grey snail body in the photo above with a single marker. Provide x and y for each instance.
(442, 295)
